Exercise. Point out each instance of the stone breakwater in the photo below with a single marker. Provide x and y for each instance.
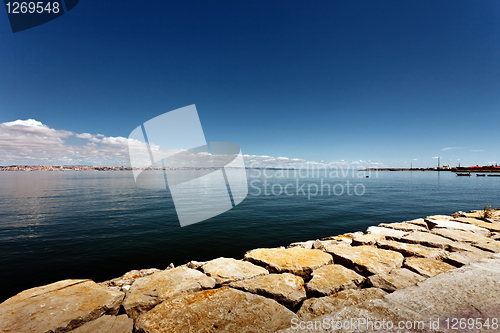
(434, 268)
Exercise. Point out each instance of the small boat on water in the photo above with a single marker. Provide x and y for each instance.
(480, 175)
(463, 174)
(493, 175)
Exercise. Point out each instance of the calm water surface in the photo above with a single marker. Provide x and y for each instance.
(99, 225)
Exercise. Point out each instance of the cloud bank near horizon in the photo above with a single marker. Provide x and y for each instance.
(30, 142)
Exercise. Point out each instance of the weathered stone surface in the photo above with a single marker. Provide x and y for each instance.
(440, 217)
(293, 260)
(398, 278)
(470, 291)
(331, 279)
(286, 288)
(374, 311)
(433, 240)
(225, 270)
(419, 222)
(107, 324)
(217, 310)
(193, 264)
(459, 259)
(367, 239)
(495, 219)
(314, 307)
(403, 226)
(427, 267)
(456, 225)
(412, 250)
(124, 282)
(387, 232)
(58, 307)
(491, 246)
(495, 236)
(345, 239)
(366, 260)
(304, 245)
(480, 224)
(461, 236)
(148, 291)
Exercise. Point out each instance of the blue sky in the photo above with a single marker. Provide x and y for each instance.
(391, 82)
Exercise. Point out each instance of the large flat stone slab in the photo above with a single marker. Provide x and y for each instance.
(403, 226)
(447, 224)
(107, 324)
(420, 222)
(286, 288)
(427, 267)
(225, 270)
(495, 227)
(217, 310)
(461, 235)
(433, 240)
(367, 239)
(58, 307)
(314, 307)
(396, 279)
(412, 250)
(366, 260)
(470, 291)
(331, 279)
(294, 260)
(387, 232)
(146, 292)
(459, 259)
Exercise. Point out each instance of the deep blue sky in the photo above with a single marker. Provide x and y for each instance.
(386, 81)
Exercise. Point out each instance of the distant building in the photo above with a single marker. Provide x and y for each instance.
(446, 166)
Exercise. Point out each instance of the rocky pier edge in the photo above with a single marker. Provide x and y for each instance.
(432, 268)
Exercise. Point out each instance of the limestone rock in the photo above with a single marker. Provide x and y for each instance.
(495, 227)
(314, 307)
(58, 307)
(396, 279)
(419, 222)
(469, 291)
(286, 288)
(217, 310)
(366, 260)
(429, 239)
(461, 236)
(387, 232)
(495, 236)
(427, 267)
(440, 217)
(495, 219)
(195, 264)
(491, 246)
(107, 324)
(367, 239)
(403, 226)
(148, 291)
(293, 260)
(125, 281)
(410, 250)
(331, 279)
(225, 270)
(459, 259)
(304, 245)
(447, 224)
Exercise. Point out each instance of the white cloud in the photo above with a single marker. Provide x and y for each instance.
(450, 148)
(30, 142)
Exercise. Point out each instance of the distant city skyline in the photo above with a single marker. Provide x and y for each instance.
(368, 84)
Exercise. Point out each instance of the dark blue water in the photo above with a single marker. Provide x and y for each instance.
(99, 225)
